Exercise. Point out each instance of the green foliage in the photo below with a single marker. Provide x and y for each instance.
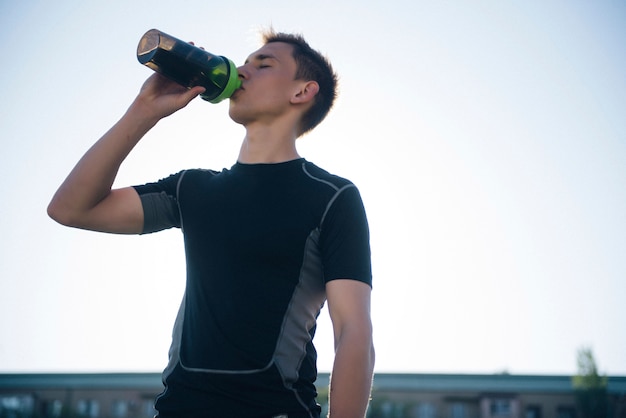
(590, 387)
(588, 376)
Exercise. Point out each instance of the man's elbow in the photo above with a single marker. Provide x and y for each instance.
(361, 340)
(57, 213)
(61, 214)
(371, 357)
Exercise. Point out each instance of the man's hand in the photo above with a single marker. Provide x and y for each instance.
(159, 97)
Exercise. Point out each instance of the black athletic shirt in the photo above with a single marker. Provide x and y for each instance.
(261, 241)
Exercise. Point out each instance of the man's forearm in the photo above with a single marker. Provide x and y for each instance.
(92, 178)
(351, 379)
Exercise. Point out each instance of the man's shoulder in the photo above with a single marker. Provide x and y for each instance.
(319, 174)
(195, 176)
(201, 172)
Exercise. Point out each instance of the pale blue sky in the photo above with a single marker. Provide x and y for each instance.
(488, 139)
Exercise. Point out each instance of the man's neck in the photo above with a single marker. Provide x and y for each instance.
(263, 145)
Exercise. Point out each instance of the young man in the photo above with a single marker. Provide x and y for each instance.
(267, 243)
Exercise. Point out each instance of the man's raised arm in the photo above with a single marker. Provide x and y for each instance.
(85, 199)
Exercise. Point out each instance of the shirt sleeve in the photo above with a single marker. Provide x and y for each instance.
(160, 203)
(344, 238)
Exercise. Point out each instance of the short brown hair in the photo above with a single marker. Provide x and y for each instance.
(310, 65)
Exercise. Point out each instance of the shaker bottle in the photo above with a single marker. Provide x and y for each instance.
(188, 65)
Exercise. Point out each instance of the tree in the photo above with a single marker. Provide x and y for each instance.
(590, 387)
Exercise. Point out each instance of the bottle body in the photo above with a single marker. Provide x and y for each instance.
(188, 65)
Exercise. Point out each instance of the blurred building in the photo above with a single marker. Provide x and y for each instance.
(486, 396)
(131, 395)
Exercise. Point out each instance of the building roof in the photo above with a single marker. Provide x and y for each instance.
(502, 383)
(485, 382)
(81, 381)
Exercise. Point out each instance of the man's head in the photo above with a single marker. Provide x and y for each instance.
(284, 77)
(311, 65)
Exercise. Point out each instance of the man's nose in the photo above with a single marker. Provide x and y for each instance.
(242, 71)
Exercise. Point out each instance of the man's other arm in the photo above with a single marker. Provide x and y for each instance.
(351, 378)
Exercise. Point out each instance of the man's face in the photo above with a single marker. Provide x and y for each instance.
(268, 83)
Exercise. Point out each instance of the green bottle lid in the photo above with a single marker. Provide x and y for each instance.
(233, 83)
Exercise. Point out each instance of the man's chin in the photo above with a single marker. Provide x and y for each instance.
(232, 113)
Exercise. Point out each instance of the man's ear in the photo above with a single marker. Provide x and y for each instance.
(306, 93)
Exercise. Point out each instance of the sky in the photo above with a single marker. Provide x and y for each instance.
(487, 138)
